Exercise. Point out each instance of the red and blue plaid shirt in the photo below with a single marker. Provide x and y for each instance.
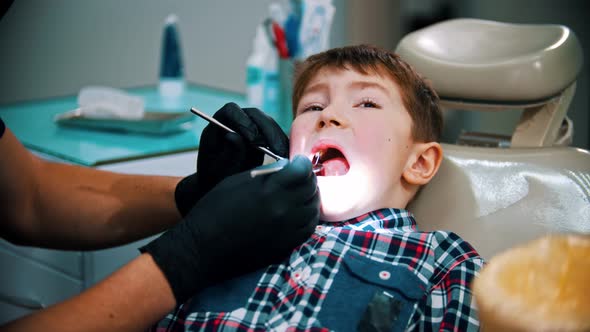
(374, 272)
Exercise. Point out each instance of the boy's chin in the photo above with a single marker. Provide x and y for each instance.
(336, 215)
(333, 217)
(334, 210)
(340, 200)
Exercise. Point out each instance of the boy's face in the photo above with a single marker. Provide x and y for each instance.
(364, 131)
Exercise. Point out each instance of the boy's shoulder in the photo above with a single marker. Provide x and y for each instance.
(393, 236)
(432, 256)
(443, 246)
(436, 253)
(450, 251)
(451, 245)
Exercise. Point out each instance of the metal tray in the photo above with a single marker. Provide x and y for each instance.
(157, 123)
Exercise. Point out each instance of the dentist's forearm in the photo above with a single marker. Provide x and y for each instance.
(132, 299)
(106, 208)
(63, 206)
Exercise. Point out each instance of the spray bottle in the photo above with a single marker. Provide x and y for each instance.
(262, 79)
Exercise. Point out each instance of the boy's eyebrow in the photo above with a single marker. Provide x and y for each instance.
(355, 85)
(315, 88)
(367, 84)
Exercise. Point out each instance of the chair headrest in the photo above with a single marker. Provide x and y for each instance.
(497, 198)
(481, 60)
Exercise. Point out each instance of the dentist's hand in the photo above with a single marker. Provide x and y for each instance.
(222, 154)
(241, 225)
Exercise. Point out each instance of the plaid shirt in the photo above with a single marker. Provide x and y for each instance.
(374, 272)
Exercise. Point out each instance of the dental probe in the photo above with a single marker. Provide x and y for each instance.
(228, 129)
(317, 166)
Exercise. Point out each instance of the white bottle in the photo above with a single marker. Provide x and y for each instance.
(262, 74)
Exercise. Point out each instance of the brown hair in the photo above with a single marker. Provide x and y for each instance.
(418, 97)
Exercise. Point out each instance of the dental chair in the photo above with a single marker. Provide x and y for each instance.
(497, 196)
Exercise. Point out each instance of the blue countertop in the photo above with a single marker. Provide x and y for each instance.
(32, 123)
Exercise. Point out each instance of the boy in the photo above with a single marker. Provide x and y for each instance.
(375, 123)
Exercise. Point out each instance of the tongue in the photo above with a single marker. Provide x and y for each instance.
(335, 167)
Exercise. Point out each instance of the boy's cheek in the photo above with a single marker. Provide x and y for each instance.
(298, 138)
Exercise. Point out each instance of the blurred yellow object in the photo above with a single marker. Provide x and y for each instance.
(543, 285)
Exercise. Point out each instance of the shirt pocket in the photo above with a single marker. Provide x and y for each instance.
(367, 295)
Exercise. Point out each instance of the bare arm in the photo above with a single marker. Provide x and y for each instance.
(132, 299)
(64, 206)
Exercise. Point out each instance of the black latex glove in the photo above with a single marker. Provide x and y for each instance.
(2, 128)
(241, 225)
(222, 154)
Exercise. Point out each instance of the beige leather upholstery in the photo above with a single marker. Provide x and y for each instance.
(493, 66)
(485, 60)
(497, 198)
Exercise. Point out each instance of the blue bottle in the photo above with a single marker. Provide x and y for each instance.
(172, 83)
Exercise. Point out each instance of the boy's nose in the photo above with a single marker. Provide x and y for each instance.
(325, 123)
(330, 117)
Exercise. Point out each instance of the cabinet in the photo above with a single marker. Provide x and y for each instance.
(33, 278)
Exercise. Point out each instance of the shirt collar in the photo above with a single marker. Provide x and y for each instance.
(388, 218)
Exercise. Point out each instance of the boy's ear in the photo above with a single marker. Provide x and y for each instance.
(423, 163)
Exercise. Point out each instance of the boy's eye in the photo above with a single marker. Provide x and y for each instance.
(368, 103)
(313, 107)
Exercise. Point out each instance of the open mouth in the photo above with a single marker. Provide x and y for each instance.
(332, 162)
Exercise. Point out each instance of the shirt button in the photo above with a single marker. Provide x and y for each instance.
(384, 275)
(297, 275)
(319, 228)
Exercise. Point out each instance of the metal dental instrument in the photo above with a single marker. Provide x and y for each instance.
(256, 172)
(315, 162)
(221, 125)
(317, 166)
